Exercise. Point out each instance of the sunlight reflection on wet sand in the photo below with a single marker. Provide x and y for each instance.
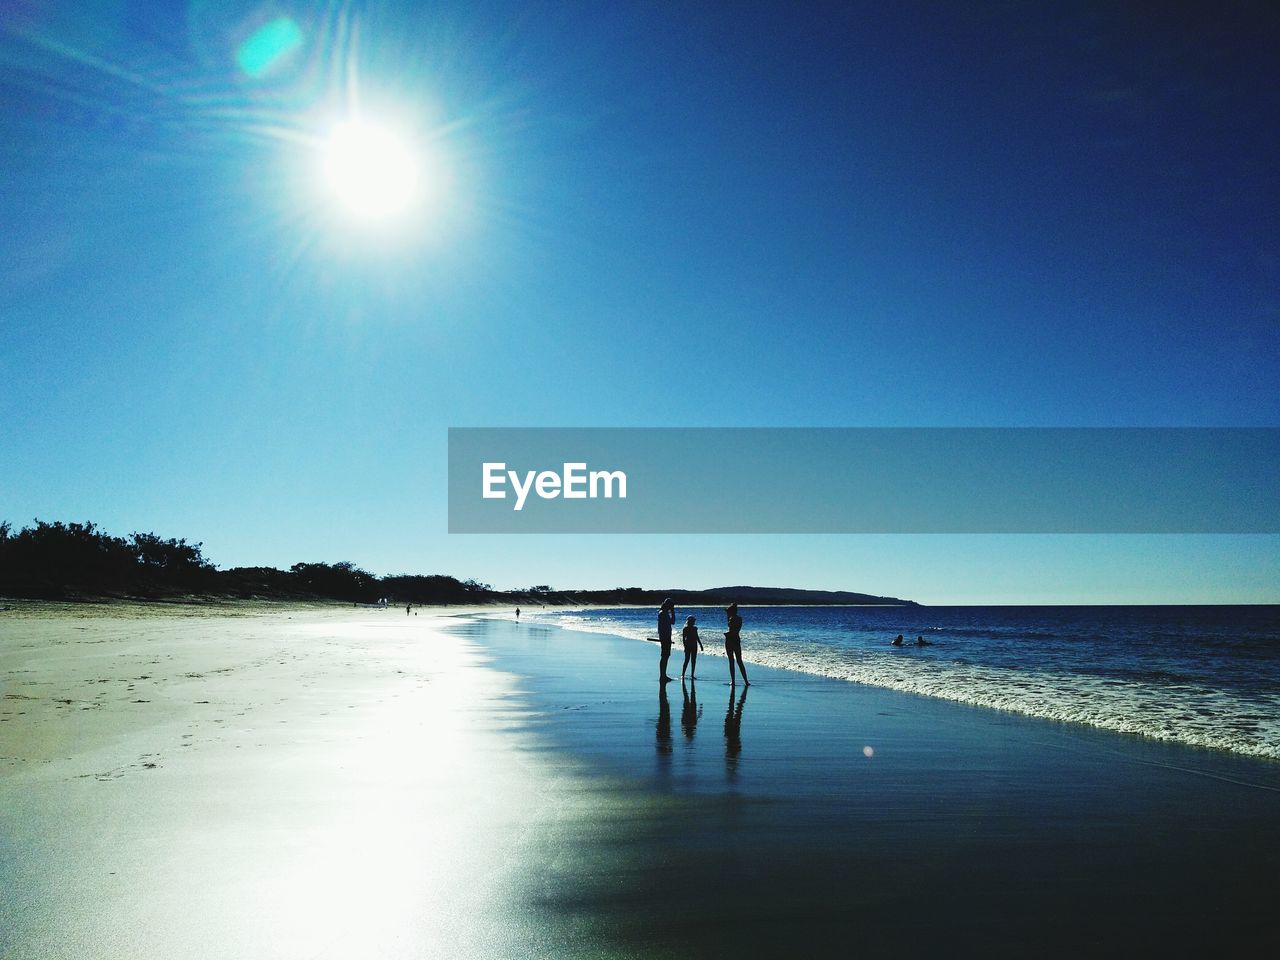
(351, 787)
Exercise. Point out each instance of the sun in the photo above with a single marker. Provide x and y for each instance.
(373, 173)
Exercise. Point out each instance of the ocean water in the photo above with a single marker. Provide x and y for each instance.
(1203, 676)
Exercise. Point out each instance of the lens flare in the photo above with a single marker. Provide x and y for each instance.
(268, 46)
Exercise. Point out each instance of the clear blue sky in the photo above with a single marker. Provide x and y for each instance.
(656, 214)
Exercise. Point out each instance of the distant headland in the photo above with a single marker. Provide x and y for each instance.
(80, 561)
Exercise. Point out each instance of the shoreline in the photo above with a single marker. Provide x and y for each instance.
(633, 651)
(987, 696)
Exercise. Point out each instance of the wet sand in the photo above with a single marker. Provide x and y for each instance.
(818, 816)
(338, 783)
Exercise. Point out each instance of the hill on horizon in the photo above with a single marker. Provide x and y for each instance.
(776, 595)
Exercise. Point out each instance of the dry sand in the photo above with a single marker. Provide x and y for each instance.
(294, 783)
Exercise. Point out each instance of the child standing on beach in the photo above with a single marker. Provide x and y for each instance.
(692, 644)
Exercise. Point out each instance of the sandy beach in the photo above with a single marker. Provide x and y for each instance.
(295, 784)
(337, 782)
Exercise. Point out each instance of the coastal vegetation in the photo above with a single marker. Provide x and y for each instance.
(81, 561)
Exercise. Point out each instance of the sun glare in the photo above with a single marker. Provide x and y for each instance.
(373, 173)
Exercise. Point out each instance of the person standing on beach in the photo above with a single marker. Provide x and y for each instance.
(733, 644)
(666, 620)
(692, 644)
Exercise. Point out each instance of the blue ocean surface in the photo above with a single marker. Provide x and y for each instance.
(1205, 676)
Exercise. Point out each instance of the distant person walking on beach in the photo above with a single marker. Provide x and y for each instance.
(733, 644)
(692, 644)
(517, 613)
(666, 620)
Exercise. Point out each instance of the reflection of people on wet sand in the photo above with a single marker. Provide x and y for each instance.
(664, 720)
(691, 713)
(666, 620)
(733, 725)
(692, 644)
(733, 644)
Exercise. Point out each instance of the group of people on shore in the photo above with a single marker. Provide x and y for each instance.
(732, 643)
(693, 643)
